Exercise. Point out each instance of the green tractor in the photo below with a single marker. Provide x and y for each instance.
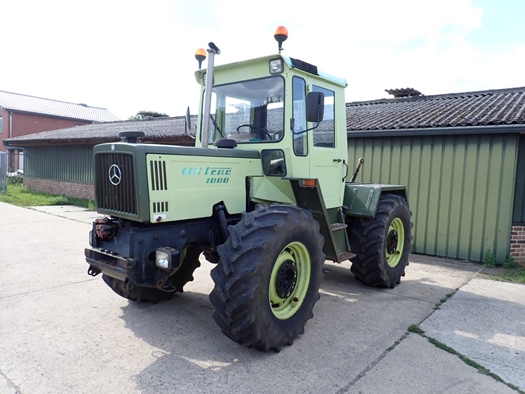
(263, 195)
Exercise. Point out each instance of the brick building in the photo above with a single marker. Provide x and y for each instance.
(22, 115)
(61, 161)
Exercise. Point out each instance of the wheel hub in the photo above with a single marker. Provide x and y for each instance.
(286, 279)
(391, 242)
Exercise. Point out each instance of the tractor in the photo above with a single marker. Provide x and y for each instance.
(265, 195)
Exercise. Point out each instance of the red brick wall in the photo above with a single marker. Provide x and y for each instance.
(5, 129)
(517, 243)
(24, 124)
(61, 188)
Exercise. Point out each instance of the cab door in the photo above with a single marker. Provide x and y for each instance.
(320, 152)
(328, 153)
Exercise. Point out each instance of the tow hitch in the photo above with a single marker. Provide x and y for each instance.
(93, 271)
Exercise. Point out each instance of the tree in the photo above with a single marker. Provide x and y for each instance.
(145, 115)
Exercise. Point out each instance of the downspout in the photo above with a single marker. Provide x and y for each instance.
(10, 154)
(10, 124)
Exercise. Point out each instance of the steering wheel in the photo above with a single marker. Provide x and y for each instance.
(255, 128)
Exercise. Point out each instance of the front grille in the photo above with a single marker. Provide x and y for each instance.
(115, 183)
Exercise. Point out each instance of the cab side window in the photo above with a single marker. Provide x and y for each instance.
(300, 141)
(324, 135)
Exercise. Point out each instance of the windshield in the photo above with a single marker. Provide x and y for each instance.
(248, 111)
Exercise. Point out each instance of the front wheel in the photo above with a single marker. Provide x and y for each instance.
(382, 243)
(268, 277)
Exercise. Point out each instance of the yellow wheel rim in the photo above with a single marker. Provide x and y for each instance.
(289, 280)
(395, 242)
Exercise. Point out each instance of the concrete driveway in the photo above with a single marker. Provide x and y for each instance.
(62, 331)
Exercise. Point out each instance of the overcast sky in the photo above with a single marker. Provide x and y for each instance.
(129, 55)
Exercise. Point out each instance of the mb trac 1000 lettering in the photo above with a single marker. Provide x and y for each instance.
(265, 195)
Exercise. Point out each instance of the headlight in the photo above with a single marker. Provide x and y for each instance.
(276, 66)
(167, 258)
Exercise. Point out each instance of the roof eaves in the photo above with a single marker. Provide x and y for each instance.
(431, 131)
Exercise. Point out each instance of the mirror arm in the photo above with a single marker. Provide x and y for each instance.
(304, 131)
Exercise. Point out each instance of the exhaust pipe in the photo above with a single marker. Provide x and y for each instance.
(212, 50)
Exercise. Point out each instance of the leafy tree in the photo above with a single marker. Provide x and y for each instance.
(145, 115)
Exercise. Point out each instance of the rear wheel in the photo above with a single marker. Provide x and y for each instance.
(176, 281)
(268, 277)
(382, 243)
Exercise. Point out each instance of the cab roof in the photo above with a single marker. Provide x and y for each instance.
(291, 63)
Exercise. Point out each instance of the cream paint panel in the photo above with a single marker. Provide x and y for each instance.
(195, 184)
(331, 181)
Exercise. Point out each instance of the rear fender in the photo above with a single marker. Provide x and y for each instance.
(361, 199)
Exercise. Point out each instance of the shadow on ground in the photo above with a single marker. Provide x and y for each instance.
(353, 327)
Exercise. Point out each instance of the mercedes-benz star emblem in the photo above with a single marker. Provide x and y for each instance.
(115, 175)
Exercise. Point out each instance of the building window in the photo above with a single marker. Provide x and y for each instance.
(1, 125)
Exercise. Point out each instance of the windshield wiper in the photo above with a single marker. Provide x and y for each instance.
(216, 126)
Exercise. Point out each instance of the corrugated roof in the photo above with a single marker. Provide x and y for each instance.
(38, 105)
(157, 128)
(481, 108)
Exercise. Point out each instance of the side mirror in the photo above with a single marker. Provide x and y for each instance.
(315, 107)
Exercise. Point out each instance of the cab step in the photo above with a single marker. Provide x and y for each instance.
(346, 255)
(338, 226)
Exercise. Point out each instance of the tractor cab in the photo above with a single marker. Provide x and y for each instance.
(286, 109)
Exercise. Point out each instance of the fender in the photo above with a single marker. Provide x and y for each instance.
(361, 199)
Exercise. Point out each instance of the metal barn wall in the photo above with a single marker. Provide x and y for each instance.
(460, 188)
(519, 197)
(72, 163)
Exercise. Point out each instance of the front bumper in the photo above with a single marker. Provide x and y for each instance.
(126, 250)
(108, 264)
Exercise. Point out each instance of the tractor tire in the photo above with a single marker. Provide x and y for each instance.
(382, 243)
(268, 277)
(150, 294)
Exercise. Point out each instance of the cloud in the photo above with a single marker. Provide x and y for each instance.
(137, 55)
(425, 47)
